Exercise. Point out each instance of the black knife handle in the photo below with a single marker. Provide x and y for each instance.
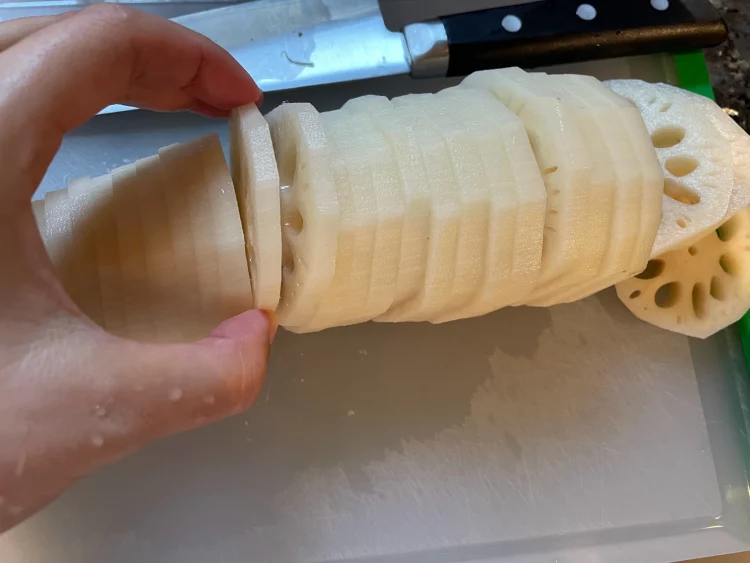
(551, 32)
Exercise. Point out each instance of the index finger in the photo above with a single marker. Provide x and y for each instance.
(12, 31)
(55, 79)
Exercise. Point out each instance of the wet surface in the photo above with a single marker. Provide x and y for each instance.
(393, 439)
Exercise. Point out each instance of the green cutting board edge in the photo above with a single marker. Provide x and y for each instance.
(692, 74)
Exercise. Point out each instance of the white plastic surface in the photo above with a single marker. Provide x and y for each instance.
(570, 434)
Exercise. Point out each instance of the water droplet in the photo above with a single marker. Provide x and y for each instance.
(15, 510)
(97, 440)
(209, 399)
(350, 413)
(100, 411)
(139, 387)
(2, 502)
(175, 394)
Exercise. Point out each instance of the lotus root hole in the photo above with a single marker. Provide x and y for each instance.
(699, 300)
(654, 268)
(727, 231)
(717, 289)
(666, 137)
(287, 259)
(692, 250)
(550, 170)
(680, 192)
(667, 295)
(665, 108)
(293, 220)
(681, 165)
(290, 213)
(681, 223)
(636, 294)
(728, 264)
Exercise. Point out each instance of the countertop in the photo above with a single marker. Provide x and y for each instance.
(729, 64)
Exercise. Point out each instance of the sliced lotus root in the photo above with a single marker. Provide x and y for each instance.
(309, 211)
(579, 196)
(256, 181)
(696, 158)
(697, 290)
(738, 139)
(739, 142)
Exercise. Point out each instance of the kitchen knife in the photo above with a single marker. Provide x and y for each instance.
(546, 32)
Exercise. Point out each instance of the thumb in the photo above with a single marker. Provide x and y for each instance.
(176, 387)
(85, 398)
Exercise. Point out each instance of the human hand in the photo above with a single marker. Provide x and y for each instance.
(73, 397)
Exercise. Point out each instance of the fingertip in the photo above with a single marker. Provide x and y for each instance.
(250, 324)
(246, 342)
(224, 84)
(183, 386)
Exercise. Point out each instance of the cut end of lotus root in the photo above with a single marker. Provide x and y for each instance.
(695, 157)
(698, 290)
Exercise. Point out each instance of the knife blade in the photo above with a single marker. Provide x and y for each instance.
(349, 40)
(346, 41)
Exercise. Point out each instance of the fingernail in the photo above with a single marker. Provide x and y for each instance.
(273, 324)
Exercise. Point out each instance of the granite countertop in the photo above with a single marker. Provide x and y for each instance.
(729, 64)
